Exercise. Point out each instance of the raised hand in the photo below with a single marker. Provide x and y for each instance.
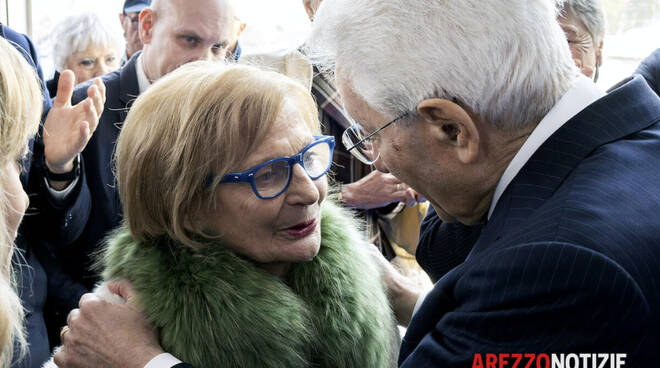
(68, 128)
(377, 190)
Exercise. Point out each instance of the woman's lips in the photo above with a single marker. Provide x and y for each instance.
(302, 229)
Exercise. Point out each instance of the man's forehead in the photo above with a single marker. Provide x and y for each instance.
(218, 15)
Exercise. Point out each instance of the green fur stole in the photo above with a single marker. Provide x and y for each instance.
(216, 309)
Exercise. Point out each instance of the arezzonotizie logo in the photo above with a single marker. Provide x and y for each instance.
(544, 360)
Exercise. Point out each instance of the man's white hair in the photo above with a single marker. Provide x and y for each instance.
(507, 61)
(78, 32)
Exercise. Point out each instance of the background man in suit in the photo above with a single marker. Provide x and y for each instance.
(174, 32)
(492, 122)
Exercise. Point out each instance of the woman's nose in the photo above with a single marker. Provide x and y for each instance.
(302, 189)
(102, 69)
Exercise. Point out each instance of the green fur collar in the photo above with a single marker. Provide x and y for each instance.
(216, 309)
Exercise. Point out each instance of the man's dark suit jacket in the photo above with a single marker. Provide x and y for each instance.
(649, 68)
(32, 285)
(93, 207)
(569, 261)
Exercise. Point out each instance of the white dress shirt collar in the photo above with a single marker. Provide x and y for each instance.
(583, 93)
(143, 81)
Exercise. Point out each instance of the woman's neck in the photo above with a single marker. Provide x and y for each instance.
(278, 269)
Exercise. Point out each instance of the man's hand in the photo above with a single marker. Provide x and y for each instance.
(68, 128)
(108, 335)
(401, 292)
(376, 190)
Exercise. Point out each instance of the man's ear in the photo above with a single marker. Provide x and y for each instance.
(241, 28)
(308, 8)
(450, 124)
(147, 19)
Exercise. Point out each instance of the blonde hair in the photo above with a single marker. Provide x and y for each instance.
(20, 109)
(196, 123)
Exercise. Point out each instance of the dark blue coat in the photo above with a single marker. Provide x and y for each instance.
(569, 261)
(32, 277)
(650, 70)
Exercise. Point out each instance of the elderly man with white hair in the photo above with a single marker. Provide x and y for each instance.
(478, 106)
(491, 121)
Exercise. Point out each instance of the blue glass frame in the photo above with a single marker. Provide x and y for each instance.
(247, 176)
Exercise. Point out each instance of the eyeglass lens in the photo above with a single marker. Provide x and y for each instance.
(363, 150)
(272, 179)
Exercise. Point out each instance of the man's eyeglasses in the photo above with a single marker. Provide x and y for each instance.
(134, 18)
(272, 178)
(358, 143)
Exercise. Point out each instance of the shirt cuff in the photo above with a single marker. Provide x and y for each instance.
(164, 360)
(419, 302)
(60, 195)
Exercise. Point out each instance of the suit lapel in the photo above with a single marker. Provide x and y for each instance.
(625, 110)
(129, 89)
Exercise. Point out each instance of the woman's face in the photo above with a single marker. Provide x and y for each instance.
(17, 199)
(278, 231)
(586, 54)
(93, 62)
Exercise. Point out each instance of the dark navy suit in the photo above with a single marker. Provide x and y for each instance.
(569, 261)
(650, 70)
(96, 208)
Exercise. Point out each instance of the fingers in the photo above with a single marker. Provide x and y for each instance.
(65, 88)
(93, 106)
(122, 288)
(99, 93)
(72, 317)
(85, 135)
(101, 86)
(409, 197)
(61, 358)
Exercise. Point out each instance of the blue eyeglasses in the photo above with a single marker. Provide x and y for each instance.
(272, 178)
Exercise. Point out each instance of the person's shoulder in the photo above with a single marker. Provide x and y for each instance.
(651, 63)
(650, 70)
(14, 36)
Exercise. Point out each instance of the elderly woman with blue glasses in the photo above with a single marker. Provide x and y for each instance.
(235, 254)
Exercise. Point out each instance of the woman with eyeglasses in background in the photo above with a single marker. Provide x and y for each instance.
(234, 252)
(20, 112)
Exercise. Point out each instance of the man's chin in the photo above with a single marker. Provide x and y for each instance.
(468, 220)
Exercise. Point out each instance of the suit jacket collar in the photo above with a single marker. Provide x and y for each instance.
(128, 85)
(627, 109)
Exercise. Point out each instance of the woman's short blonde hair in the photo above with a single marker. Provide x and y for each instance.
(199, 122)
(21, 101)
